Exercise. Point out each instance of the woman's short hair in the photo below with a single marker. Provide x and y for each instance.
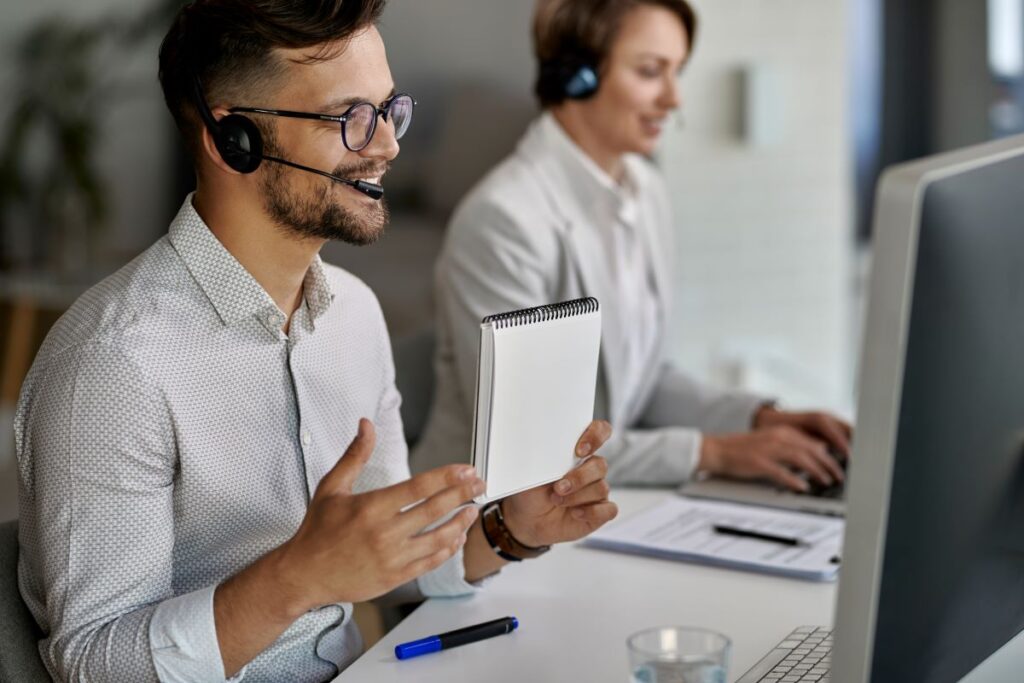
(581, 32)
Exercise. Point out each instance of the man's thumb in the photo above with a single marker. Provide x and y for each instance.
(342, 476)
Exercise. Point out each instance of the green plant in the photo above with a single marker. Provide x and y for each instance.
(66, 84)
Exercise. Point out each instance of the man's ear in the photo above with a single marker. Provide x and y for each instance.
(208, 148)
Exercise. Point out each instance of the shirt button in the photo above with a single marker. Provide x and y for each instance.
(306, 439)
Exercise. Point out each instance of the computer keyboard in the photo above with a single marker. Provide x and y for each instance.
(804, 655)
(833, 491)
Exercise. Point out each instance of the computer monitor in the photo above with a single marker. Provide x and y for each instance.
(932, 580)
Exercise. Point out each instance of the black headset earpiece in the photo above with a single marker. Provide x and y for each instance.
(236, 137)
(239, 142)
(568, 78)
(583, 83)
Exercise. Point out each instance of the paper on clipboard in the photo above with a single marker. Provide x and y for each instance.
(681, 528)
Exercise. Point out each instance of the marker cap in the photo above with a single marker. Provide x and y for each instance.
(419, 647)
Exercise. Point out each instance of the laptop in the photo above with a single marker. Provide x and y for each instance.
(821, 500)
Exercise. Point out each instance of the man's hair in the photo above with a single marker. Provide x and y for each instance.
(229, 44)
(583, 31)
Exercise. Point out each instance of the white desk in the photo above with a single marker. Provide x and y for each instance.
(576, 606)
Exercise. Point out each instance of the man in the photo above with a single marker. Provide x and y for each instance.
(184, 512)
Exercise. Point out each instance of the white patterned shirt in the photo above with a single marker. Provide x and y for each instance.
(169, 434)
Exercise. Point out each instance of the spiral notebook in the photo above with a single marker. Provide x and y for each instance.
(536, 378)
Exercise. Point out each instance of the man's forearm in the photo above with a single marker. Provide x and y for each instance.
(479, 558)
(254, 607)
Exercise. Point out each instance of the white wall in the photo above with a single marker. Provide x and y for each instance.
(765, 232)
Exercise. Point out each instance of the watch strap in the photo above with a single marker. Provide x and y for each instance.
(501, 540)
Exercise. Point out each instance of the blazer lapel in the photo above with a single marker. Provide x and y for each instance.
(586, 252)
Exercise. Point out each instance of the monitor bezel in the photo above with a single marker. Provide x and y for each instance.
(897, 224)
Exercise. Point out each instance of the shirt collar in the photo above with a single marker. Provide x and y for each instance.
(317, 289)
(591, 181)
(231, 289)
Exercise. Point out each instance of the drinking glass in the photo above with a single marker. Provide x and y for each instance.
(678, 654)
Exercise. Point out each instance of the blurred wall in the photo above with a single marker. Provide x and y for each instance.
(760, 175)
(469, 65)
(134, 158)
(136, 130)
(964, 87)
(937, 84)
(458, 40)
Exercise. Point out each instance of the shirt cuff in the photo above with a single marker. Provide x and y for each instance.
(691, 457)
(448, 580)
(183, 640)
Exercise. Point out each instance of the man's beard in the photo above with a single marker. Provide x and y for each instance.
(320, 214)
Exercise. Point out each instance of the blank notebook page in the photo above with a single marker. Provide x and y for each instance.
(543, 384)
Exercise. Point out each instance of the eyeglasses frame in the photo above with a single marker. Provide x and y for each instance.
(381, 111)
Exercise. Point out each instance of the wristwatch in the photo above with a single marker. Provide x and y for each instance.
(501, 539)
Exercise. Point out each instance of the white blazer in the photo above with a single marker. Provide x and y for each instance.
(526, 236)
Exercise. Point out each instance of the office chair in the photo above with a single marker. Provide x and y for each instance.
(19, 655)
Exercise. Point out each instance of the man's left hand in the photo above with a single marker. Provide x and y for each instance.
(572, 507)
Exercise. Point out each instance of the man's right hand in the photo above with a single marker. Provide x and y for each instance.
(355, 547)
(777, 453)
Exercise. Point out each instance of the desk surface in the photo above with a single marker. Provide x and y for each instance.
(577, 605)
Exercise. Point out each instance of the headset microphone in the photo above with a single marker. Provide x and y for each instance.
(240, 144)
(371, 190)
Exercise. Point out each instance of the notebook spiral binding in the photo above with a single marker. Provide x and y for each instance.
(527, 316)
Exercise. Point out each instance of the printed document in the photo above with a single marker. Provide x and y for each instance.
(683, 529)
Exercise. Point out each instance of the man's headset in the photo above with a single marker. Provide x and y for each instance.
(240, 145)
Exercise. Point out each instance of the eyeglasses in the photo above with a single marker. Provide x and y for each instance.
(359, 122)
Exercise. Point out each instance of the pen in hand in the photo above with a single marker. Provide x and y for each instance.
(462, 636)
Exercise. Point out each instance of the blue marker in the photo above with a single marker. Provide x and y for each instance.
(462, 636)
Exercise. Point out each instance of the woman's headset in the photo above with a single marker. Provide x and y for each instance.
(568, 77)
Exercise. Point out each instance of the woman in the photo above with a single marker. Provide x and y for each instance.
(577, 210)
